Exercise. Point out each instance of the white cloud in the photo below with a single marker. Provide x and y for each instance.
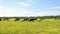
(48, 12)
(27, 3)
(24, 4)
(5, 11)
(26, 12)
(30, 0)
(55, 8)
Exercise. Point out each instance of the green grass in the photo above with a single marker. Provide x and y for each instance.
(18, 27)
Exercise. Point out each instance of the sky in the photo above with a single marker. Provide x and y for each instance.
(29, 7)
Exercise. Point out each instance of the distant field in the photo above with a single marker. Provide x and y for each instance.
(34, 27)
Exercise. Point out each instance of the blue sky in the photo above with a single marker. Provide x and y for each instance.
(29, 7)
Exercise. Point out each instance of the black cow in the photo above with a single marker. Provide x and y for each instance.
(24, 19)
(32, 19)
(17, 19)
(0, 19)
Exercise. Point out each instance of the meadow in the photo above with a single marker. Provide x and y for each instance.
(35, 27)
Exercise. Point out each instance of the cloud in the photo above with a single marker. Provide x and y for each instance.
(5, 11)
(26, 12)
(30, 0)
(47, 13)
(55, 8)
(24, 4)
(27, 3)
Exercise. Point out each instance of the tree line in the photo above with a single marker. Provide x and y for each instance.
(31, 18)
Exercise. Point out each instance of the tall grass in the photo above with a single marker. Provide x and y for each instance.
(41, 27)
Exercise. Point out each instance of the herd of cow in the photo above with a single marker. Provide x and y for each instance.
(17, 19)
(25, 19)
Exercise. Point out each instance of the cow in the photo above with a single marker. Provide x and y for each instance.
(32, 19)
(24, 19)
(17, 19)
(0, 19)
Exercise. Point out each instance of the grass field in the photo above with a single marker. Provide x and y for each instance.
(18, 27)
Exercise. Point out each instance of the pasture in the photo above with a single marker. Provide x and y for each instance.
(34, 27)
